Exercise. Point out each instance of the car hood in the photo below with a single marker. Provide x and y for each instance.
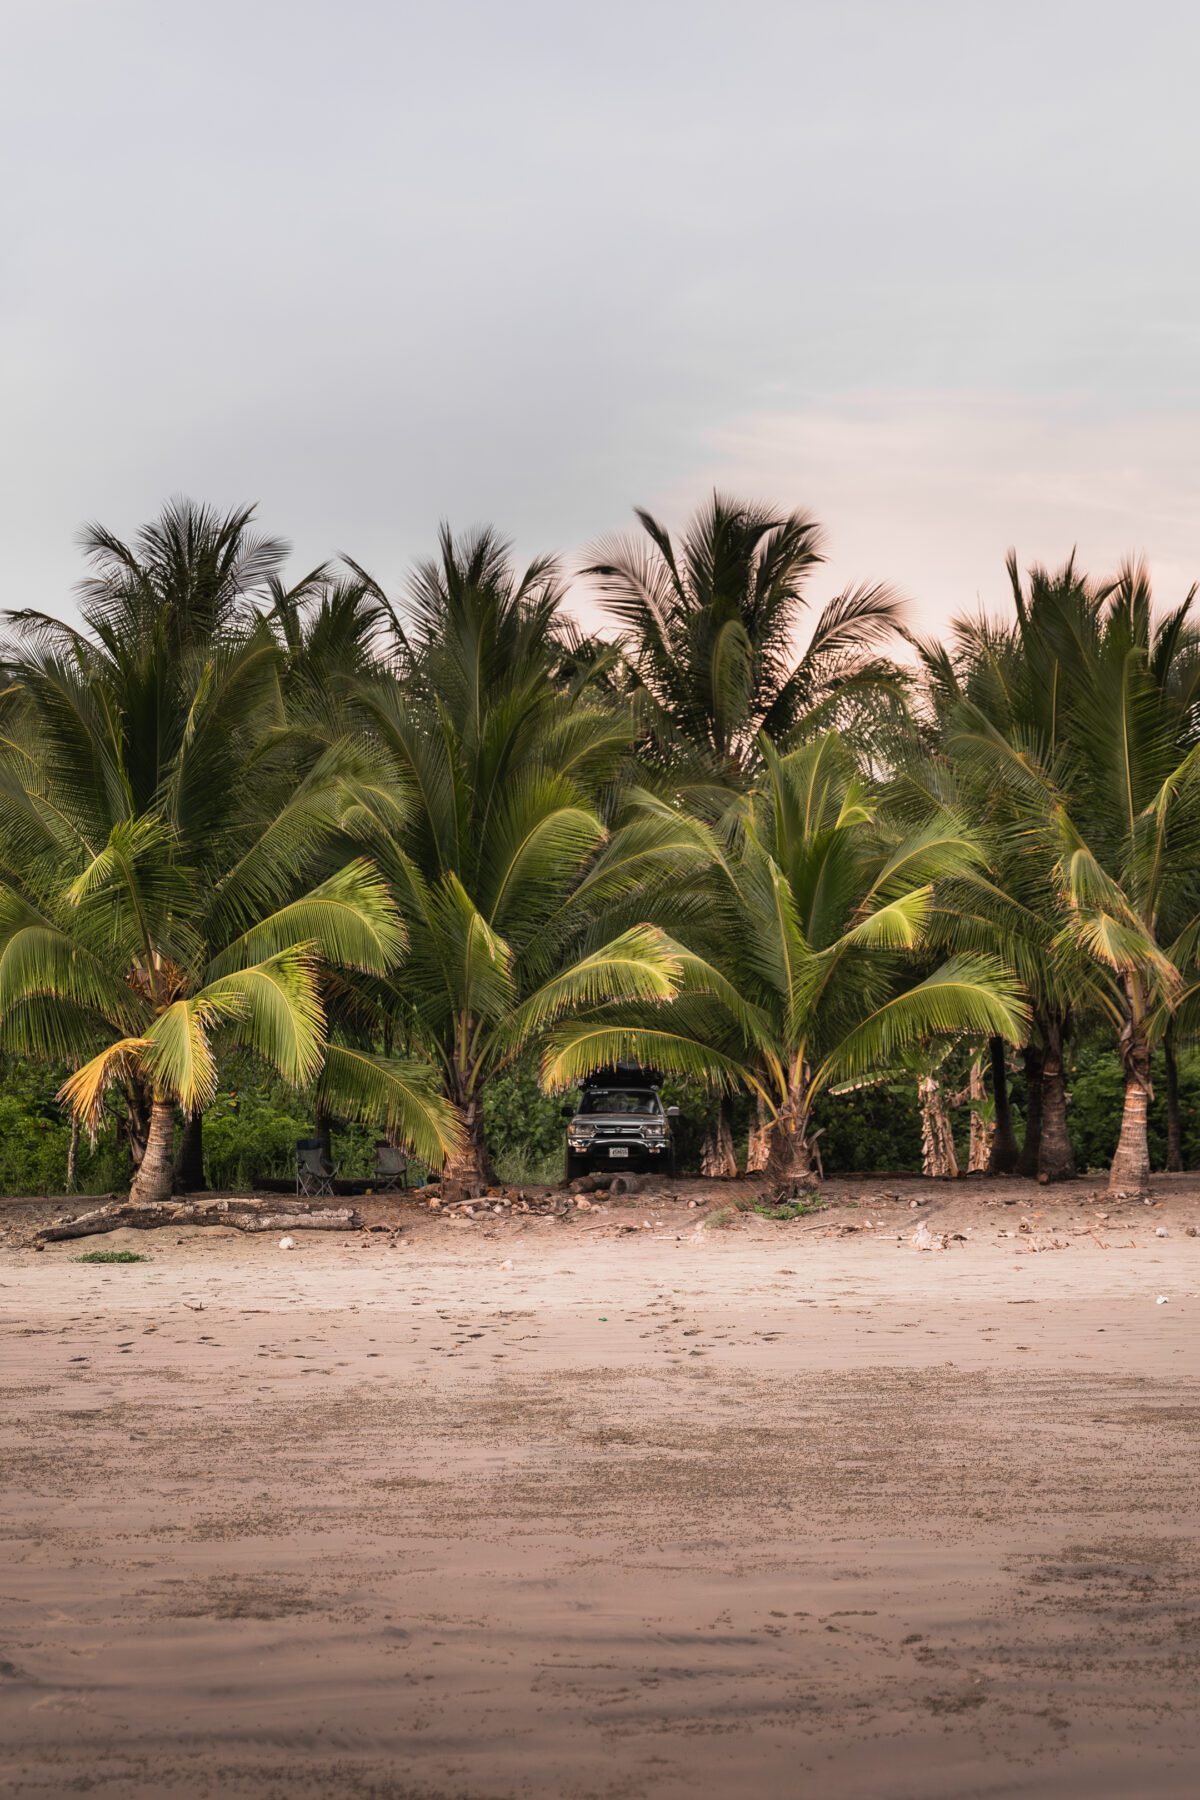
(594, 1118)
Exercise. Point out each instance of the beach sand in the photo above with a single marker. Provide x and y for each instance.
(676, 1510)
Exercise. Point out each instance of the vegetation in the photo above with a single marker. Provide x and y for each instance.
(276, 855)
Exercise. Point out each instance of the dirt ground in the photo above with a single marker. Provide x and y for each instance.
(628, 1504)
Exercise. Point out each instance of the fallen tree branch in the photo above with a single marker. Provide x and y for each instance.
(236, 1215)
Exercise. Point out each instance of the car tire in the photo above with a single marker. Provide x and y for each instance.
(576, 1166)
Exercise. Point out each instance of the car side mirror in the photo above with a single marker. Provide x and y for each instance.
(672, 1112)
(568, 1112)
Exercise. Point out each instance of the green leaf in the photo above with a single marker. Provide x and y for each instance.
(275, 1010)
(972, 994)
(350, 920)
(398, 1097)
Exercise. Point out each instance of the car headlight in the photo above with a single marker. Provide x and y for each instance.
(581, 1132)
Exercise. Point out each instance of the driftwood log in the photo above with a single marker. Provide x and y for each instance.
(238, 1215)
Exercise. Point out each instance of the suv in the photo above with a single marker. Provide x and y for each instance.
(620, 1123)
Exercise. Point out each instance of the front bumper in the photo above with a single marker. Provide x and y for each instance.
(609, 1153)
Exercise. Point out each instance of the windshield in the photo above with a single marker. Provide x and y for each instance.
(620, 1100)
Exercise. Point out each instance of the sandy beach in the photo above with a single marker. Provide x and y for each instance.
(627, 1505)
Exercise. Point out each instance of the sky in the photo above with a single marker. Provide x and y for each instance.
(927, 270)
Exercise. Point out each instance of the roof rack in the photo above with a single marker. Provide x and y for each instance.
(623, 1074)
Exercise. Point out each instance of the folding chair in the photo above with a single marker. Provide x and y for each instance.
(391, 1168)
(314, 1171)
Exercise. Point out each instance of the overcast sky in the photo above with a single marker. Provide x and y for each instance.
(929, 270)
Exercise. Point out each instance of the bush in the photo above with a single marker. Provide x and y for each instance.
(875, 1128)
(250, 1136)
(1097, 1093)
(35, 1137)
(524, 1127)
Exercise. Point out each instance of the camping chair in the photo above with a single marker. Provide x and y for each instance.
(314, 1171)
(391, 1168)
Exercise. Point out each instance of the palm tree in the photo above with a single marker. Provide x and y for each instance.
(108, 935)
(810, 974)
(523, 892)
(1108, 812)
(149, 772)
(1007, 682)
(180, 599)
(711, 625)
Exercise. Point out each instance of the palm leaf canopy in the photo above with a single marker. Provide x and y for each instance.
(816, 955)
(710, 626)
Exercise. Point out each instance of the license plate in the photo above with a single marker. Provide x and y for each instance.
(619, 1150)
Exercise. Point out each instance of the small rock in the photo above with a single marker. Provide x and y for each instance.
(1162, 1299)
(922, 1237)
(1160, 1231)
(1190, 1232)
(507, 1263)
(583, 1204)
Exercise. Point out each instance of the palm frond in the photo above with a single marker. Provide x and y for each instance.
(399, 1097)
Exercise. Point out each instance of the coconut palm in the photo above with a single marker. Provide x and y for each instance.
(711, 626)
(524, 893)
(1008, 681)
(173, 610)
(810, 973)
(148, 769)
(1108, 812)
(133, 957)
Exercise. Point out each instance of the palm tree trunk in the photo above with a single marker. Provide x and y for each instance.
(983, 1130)
(471, 1171)
(73, 1154)
(157, 1167)
(1056, 1159)
(1130, 1171)
(717, 1157)
(789, 1152)
(1002, 1159)
(1029, 1160)
(938, 1159)
(1174, 1122)
(758, 1146)
(323, 1131)
(189, 1175)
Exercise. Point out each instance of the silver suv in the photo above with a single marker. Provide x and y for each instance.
(621, 1123)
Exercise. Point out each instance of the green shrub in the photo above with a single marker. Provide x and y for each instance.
(1096, 1098)
(35, 1137)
